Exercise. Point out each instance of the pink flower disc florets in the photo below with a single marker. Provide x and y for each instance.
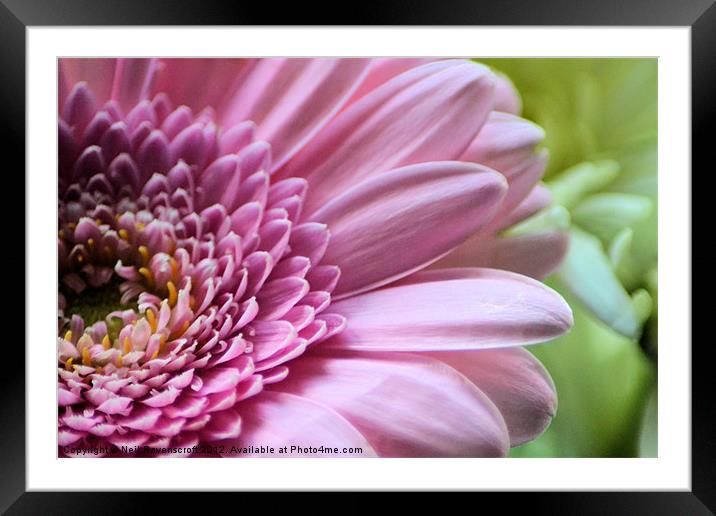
(185, 282)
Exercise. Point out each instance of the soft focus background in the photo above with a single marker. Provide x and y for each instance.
(600, 119)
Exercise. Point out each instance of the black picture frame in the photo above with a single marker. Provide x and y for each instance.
(17, 15)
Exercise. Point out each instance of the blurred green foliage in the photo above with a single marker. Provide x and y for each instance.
(600, 119)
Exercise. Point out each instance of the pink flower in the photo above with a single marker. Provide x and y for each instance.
(249, 268)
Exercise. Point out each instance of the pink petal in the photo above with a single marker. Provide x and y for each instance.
(504, 142)
(142, 418)
(246, 219)
(153, 154)
(396, 223)
(65, 397)
(177, 121)
(237, 137)
(300, 316)
(309, 240)
(269, 337)
(289, 352)
(201, 82)
(186, 406)
(182, 380)
(538, 199)
(258, 266)
(295, 266)
(126, 81)
(223, 425)
(517, 384)
(274, 238)
(119, 405)
(190, 146)
(536, 255)
(291, 99)
(484, 249)
(507, 99)
(508, 144)
(220, 182)
(324, 277)
(163, 398)
(382, 70)
(133, 80)
(67, 436)
(97, 73)
(218, 379)
(429, 113)
(404, 405)
(278, 296)
(277, 419)
(453, 309)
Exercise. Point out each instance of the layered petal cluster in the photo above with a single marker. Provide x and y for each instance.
(283, 252)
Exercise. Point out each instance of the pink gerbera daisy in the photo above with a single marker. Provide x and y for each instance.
(286, 252)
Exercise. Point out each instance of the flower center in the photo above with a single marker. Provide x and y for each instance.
(186, 281)
(118, 287)
(96, 303)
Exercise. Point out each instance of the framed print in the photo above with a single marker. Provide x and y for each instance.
(438, 251)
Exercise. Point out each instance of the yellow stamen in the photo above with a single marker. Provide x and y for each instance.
(123, 234)
(154, 355)
(145, 254)
(152, 320)
(68, 335)
(80, 258)
(61, 234)
(162, 344)
(127, 345)
(68, 364)
(139, 226)
(174, 266)
(105, 342)
(119, 360)
(72, 225)
(147, 276)
(90, 243)
(172, 294)
(86, 357)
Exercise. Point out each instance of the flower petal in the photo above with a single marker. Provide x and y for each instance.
(516, 382)
(278, 296)
(453, 309)
(405, 405)
(291, 99)
(96, 72)
(507, 99)
(382, 70)
(536, 255)
(396, 223)
(533, 245)
(279, 419)
(507, 143)
(201, 82)
(429, 113)
(126, 81)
